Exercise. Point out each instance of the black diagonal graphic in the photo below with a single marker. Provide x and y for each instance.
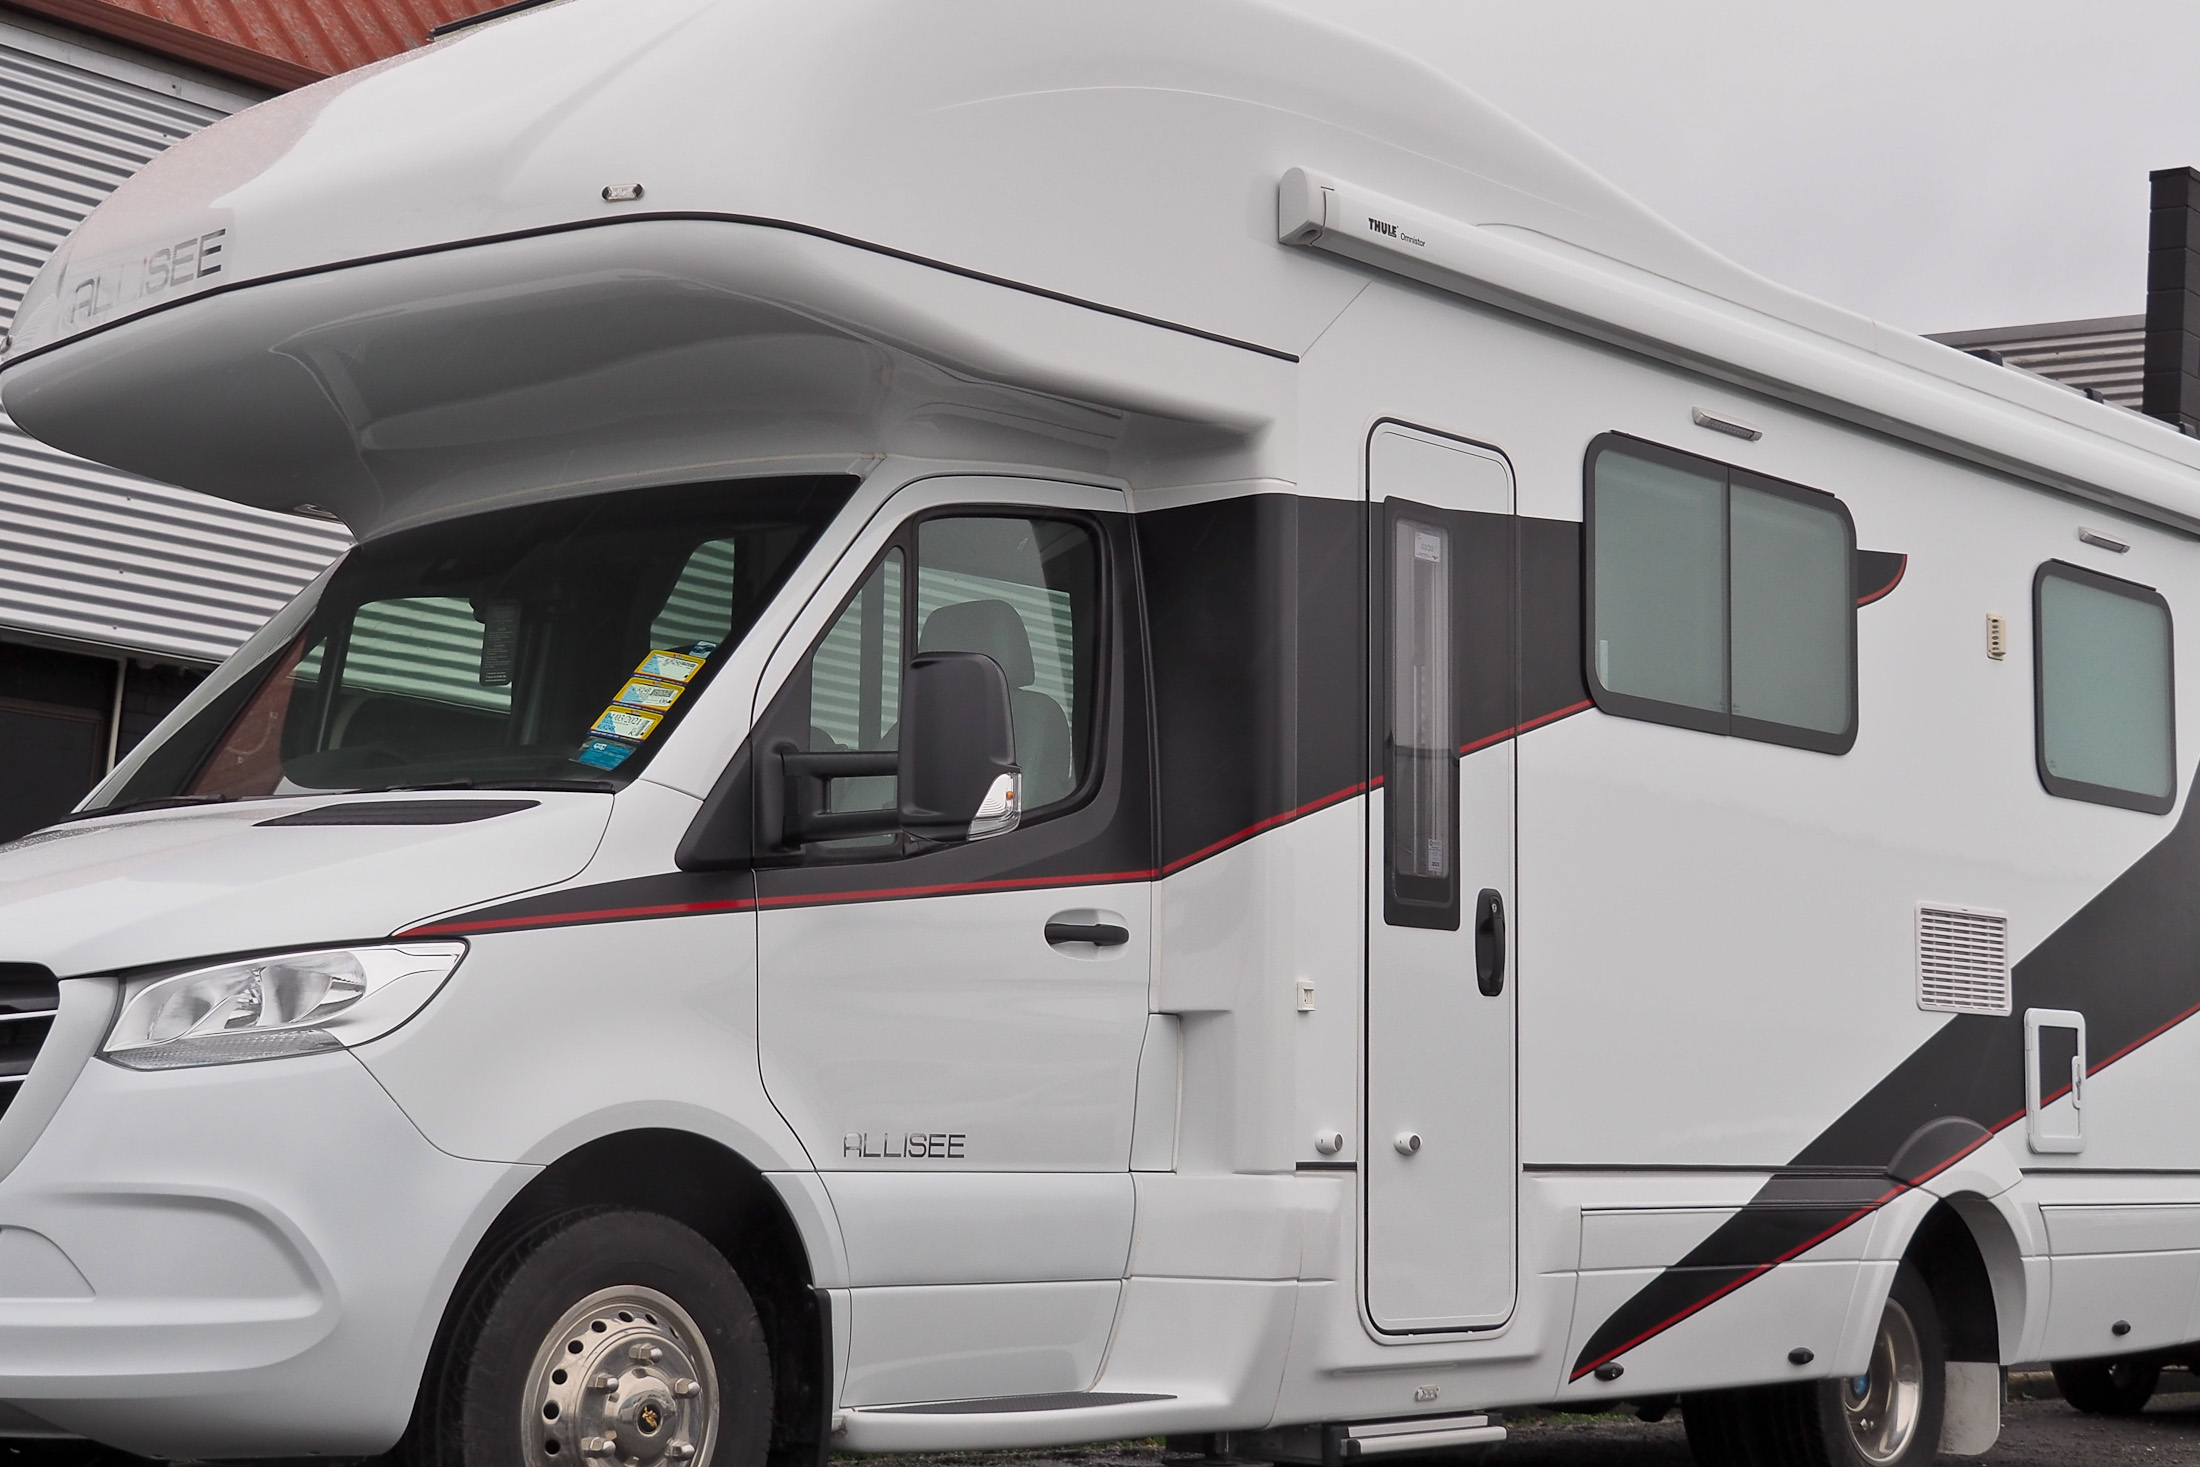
(2129, 960)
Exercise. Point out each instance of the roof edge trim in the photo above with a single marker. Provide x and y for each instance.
(9, 359)
(1969, 419)
(483, 17)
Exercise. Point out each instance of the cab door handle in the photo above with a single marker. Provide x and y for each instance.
(1489, 942)
(1099, 934)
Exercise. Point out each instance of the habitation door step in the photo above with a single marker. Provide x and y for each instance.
(1343, 1442)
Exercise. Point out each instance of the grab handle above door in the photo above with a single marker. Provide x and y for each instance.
(1489, 942)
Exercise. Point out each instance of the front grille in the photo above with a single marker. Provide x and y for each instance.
(29, 997)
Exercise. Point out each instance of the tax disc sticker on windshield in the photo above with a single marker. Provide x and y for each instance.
(676, 667)
(646, 692)
(626, 723)
(604, 753)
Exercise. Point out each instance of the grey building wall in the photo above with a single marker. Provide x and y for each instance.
(115, 592)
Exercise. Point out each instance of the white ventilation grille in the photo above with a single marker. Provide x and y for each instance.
(1962, 960)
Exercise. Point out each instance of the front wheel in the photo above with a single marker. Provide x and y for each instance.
(1887, 1417)
(2108, 1387)
(603, 1339)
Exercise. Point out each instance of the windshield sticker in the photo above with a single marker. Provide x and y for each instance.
(604, 753)
(673, 667)
(499, 639)
(643, 692)
(626, 723)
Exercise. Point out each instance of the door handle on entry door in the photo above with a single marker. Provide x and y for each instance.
(1489, 942)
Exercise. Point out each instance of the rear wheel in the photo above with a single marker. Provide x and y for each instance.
(2108, 1387)
(1887, 1417)
(604, 1339)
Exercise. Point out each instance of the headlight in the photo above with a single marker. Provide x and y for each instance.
(263, 1008)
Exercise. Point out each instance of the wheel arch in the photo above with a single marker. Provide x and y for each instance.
(1969, 1256)
(711, 1188)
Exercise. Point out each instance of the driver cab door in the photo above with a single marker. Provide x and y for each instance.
(953, 1028)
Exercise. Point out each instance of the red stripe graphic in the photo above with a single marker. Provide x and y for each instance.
(1900, 571)
(953, 888)
(1866, 1211)
(1537, 722)
(588, 916)
(1268, 824)
(572, 919)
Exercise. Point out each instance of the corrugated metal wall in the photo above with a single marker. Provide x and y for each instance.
(2105, 356)
(87, 554)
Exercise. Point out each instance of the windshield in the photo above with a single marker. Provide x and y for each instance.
(548, 645)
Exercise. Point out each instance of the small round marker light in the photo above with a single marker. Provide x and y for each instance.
(621, 193)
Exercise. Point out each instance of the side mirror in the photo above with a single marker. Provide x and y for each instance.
(959, 779)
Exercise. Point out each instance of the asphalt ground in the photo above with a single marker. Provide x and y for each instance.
(2038, 1430)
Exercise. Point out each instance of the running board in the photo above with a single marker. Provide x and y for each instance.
(998, 1405)
(1331, 1446)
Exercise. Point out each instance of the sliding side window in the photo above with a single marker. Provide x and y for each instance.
(2103, 689)
(1719, 599)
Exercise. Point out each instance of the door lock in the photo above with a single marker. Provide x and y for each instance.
(1407, 1142)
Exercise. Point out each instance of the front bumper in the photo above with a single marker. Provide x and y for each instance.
(239, 1260)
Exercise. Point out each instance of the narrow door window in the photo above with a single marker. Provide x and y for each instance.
(1422, 803)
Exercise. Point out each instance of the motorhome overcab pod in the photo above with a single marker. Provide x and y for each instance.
(1059, 724)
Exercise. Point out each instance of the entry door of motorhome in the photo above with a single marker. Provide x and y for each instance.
(953, 1028)
(1440, 1164)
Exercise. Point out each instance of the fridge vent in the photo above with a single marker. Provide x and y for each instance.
(1962, 960)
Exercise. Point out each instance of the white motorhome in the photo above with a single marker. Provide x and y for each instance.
(1059, 723)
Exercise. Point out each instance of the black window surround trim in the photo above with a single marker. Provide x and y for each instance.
(2076, 789)
(1680, 715)
(904, 539)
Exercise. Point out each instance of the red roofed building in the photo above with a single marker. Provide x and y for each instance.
(279, 44)
(116, 594)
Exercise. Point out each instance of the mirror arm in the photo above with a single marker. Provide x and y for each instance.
(805, 779)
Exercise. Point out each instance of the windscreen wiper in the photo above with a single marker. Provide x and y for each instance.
(585, 786)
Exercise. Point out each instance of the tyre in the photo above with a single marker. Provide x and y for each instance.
(1888, 1417)
(2108, 1387)
(600, 1339)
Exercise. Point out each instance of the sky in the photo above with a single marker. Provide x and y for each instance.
(1937, 164)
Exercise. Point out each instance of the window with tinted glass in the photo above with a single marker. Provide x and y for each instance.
(1719, 599)
(538, 645)
(2103, 689)
(1421, 810)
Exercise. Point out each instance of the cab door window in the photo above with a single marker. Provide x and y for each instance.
(1025, 593)
(1021, 589)
(855, 685)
